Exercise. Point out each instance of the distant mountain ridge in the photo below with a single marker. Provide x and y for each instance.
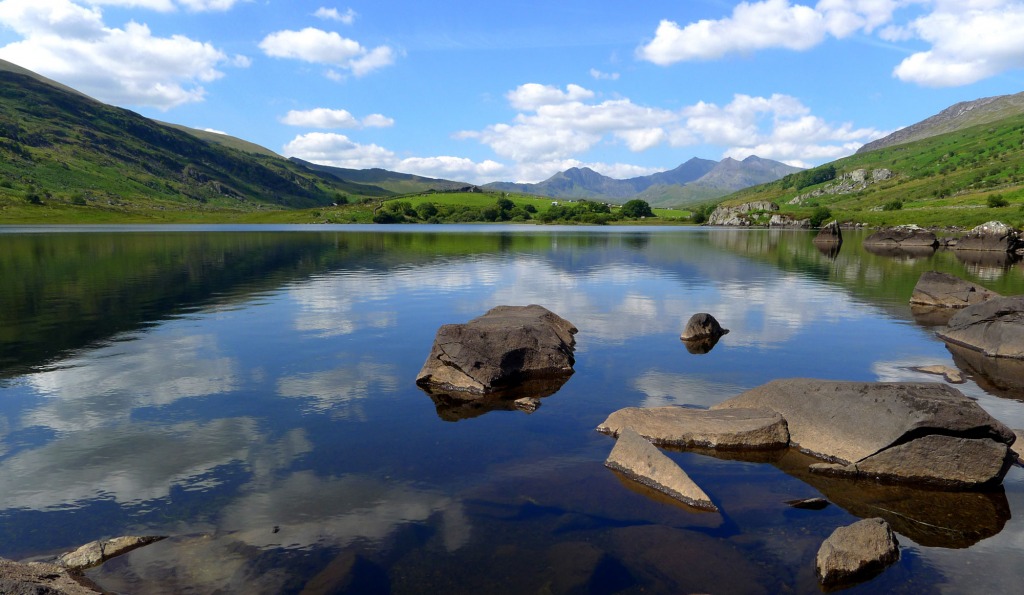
(392, 181)
(694, 181)
(955, 117)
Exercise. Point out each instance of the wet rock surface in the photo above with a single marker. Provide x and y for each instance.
(1000, 376)
(994, 328)
(993, 236)
(506, 346)
(902, 236)
(829, 235)
(854, 424)
(98, 552)
(857, 552)
(641, 461)
(685, 427)
(942, 290)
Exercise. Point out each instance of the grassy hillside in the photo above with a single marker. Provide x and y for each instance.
(963, 178)
(398, 183)
(76, 156)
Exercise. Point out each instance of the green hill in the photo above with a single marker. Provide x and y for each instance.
(62, 149)
(396, 182)
(965, 177)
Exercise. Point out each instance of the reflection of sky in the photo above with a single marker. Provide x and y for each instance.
(339, 390)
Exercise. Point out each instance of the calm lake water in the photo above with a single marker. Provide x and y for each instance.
(250, 392)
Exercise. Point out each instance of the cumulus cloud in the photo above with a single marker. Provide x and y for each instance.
(326, 47)
(325, 118)
(333, 14)
(129, 65)
(171, 5)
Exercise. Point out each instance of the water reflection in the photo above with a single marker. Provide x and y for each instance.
(999, 376)
(911, 253)
(456, 405)
(987, 265)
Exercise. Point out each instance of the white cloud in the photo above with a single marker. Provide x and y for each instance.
(326, 47)
(604, 76)
(531, 96)
(171, 5)
(333, 14)
(70, 43)
(378, 121)
(321, 117)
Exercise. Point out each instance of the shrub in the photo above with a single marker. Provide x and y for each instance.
(636, 208)
(996, 201)
(820, 215)
(893, 205)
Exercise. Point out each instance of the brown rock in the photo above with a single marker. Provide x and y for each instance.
(701, 326)
(830, 234)
(994, 327)
(37, 578)
(98, 552)
(993, 236)
(902, 236)
(681, 426)
(641, 461)
(856, 552)
(942, 290)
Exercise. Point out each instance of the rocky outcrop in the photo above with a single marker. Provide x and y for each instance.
(748, 429)
(36, 578)
(751, 213)
(926, 433)
(857, 552)
(848, 183)
(829, 235)
(942, 290)
(98, 552)
(902, 236)
(994, 328)
(641, 461)
(499, 350)
(993, 236)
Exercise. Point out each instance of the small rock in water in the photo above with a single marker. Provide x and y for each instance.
(857, 552)
(527, 404)
(641, 461)
(702, 325)
(951, 375)
(809, 503)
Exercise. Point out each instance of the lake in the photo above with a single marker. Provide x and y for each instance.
(249, 391)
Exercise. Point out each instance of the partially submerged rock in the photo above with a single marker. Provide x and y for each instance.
(994, 236)
(994, 328)
(702, 326)
(942, 290)
(38, 578)
(497, 351)
(751, 429)
(641, 461)
(98, 552)
(951, 375)
(455, 405)
(912, 432)
(857, 552)
(809, 503)
(902, 236)
(829, 235)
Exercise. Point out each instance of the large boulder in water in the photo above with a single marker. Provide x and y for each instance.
(829, 235)
(902, 236)
(641, 461)
(942, 290)
(994, 328)
(499, 350)
(993, 236)
(746, 429)
(856, 552)
(926, 433)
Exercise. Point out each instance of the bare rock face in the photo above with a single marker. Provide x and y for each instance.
(994, 328)
(942, 290)
(98, 552)
(702, 326)
(36, 578)
(641, 461)
(908, 432)
(993, 236)
(747, 429)
(830, 234)
(505, 347)
(856, 552)
(902, 236)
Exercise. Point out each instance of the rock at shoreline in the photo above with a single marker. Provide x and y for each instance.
(499, 350)
(856, 552)
(994, 328)
(926, 433)
(942, 290)
(37, 578)
(993, 236)
(98, 552)
(747, 429)
(951, 375)
(829, 235)
(702, 326)
(641, 461)
(751, 213)
(902, 236)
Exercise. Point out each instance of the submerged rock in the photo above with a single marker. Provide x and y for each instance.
(641, 461)
(910, 432)
(942, 290)
(499, 350)
(809, 503)
(98, 552)
(902, 236)
(681, 426)
(994, 328)
(994, 236)
(951, 375)
(857, 552)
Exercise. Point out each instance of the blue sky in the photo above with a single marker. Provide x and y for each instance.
(519, 90)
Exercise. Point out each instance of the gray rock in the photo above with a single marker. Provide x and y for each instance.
(993, 236)
(902, 236)
(98, 552)
(856, 552)
(942, 290)
(36, 578)
(850, 422)
(502, 348)
(702, 326)
(748, 429)
(751, 213)
(830, 234)
(641, 461)
(1018, 445)
(994, 327)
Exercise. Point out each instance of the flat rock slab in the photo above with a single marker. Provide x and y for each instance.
(902, 237)
(952, 375)
(680, 426)
(994, 327)
(856, 552)
(98, 552)
(941, 290)
(37, 578)
(506, 346)
(889, 429)
(641, 461)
